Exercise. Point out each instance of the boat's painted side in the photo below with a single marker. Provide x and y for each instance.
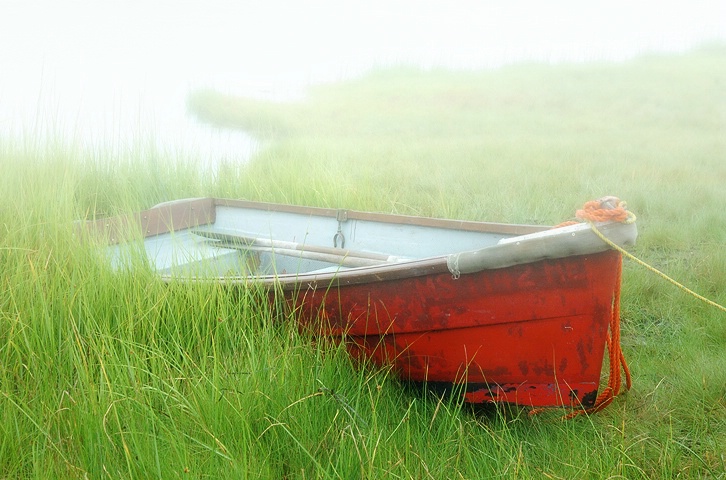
(529, 334)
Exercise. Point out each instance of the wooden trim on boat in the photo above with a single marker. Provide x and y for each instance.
(189, 213)
(504, 228)
(163, 218)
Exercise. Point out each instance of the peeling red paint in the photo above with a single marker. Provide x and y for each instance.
(530, 334)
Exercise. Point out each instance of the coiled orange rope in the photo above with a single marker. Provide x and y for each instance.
(607, 209)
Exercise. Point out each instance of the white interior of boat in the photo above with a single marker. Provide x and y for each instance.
(255, 242)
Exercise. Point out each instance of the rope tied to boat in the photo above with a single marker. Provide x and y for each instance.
(607, 209)
(612, 209)
(616, 358)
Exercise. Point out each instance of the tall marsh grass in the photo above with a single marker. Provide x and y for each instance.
(113, 375)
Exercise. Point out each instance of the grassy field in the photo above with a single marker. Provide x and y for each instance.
(108, 375)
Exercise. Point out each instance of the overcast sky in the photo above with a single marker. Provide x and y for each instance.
(87, 60)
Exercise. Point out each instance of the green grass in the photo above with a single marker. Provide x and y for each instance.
(114, 375)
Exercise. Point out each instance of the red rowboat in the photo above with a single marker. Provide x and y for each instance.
(502, 313)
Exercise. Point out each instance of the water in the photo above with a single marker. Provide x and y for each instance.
(100, 73)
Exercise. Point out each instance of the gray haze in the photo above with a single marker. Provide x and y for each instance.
(99, 72)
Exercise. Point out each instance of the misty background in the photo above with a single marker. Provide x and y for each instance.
(109, 72)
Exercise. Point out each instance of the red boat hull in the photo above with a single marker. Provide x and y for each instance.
(530, 334)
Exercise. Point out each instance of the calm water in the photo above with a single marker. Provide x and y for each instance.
(100, 73)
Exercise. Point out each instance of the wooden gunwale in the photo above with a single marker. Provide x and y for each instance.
(188, 213)
(164, 218)
(466, 225)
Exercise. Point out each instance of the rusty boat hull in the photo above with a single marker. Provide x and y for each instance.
(500, 313)
(530, 334)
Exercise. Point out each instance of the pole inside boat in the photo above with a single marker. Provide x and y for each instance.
(339, 256)
(341, 260)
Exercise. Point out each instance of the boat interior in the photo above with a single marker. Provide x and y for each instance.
(243, 241)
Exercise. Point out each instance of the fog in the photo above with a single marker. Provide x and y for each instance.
(101, 72)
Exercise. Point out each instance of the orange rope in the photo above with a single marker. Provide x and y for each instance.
(607, 209)
(616, 358)
(612, 209)
(566, 224)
